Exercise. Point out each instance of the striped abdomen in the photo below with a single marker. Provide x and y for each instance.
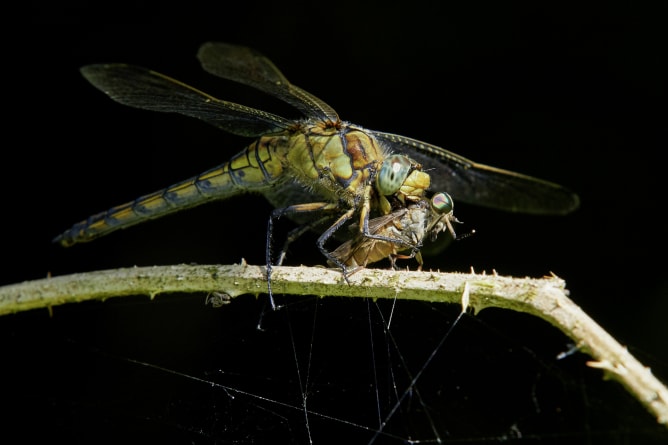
(254, 169)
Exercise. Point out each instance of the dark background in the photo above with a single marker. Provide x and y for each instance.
(575, 95)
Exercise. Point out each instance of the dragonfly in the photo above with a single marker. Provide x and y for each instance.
(314, 164)
(407, 228)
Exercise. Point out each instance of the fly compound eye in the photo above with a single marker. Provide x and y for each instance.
(393, 173)
(442, 203)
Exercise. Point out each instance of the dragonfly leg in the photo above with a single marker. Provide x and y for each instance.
(294, 234)
(277, 213)
(366, 232)
(328, 234)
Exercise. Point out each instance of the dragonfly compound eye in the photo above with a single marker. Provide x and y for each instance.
(392, 174)
(442, 203)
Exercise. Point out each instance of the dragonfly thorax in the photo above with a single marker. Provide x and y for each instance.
(333, 161)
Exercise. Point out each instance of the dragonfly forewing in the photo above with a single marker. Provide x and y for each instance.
(249, 67)
(484, 185)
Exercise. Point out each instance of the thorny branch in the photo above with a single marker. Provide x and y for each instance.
(545, 298)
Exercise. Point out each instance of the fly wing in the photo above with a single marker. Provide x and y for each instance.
(361, 251)
(143, 88)
(481, 184)
(249, 67)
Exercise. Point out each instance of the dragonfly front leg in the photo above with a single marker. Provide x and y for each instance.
(328, 234)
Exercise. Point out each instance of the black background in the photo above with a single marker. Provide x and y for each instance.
(575, 95)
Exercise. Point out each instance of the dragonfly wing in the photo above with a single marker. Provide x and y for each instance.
(249, 67)
(481, 184)
(143, 88)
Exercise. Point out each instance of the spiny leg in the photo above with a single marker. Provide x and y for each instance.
(277, 213)
(295, 234)
(322, 239)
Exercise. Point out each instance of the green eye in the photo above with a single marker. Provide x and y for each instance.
(392, 174)
(442, 203)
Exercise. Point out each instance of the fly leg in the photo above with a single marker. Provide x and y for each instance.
(414, 254)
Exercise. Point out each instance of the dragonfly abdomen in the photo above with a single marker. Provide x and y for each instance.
(253, 169)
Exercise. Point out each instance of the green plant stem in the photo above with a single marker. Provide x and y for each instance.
(545, 298)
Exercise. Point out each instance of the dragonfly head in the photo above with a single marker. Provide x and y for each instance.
(402, 177)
